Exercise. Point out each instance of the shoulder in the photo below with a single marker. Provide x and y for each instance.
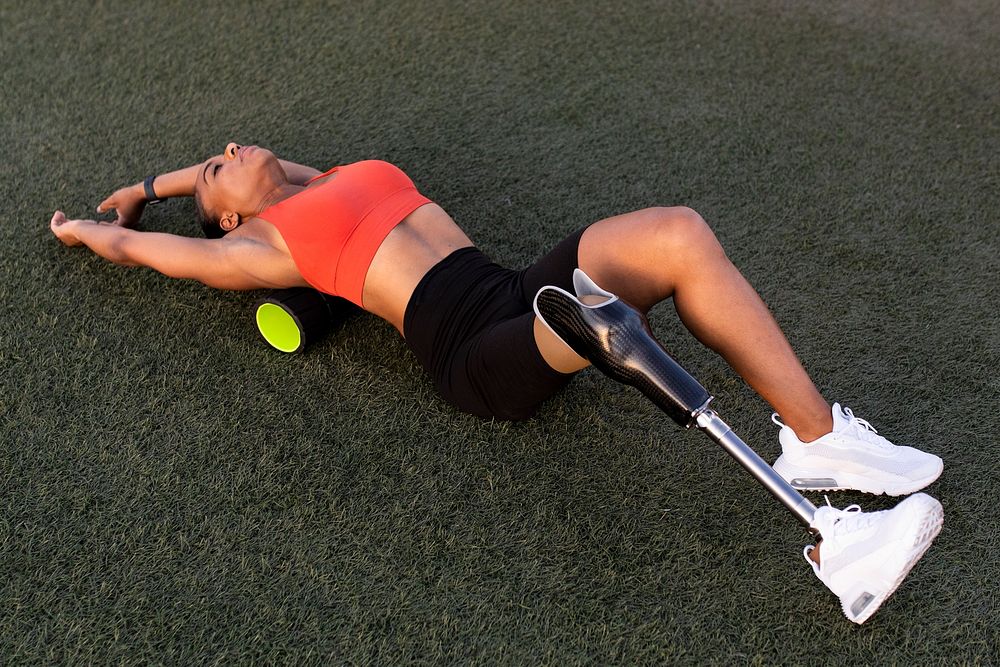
(256, 235)
(255, 253)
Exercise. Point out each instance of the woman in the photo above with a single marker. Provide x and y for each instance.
(362, 231)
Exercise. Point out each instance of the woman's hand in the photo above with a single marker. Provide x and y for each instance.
(64, 228)
(128, 202)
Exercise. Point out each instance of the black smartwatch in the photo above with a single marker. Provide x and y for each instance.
(147, 185)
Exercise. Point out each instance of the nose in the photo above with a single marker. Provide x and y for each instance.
(231, 150)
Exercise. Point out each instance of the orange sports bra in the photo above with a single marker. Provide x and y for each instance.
(334, 229)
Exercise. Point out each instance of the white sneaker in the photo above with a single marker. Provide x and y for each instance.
(853, 456)
(864, 556)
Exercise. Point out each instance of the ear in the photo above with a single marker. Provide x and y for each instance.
(230, 221)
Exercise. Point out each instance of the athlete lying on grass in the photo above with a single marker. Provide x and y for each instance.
(363, 232)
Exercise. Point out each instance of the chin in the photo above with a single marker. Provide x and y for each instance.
(263, 156)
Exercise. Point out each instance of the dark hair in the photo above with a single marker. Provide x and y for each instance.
(209, 226)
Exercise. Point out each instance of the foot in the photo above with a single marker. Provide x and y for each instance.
(866, 555)
(853, 456)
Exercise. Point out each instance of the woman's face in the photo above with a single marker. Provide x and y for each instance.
(236, 184)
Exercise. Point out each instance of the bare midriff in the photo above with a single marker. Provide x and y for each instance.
(421, 240)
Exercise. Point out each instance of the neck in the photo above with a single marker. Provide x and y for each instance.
(279, 193)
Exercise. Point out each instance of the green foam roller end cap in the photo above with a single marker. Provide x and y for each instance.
(278, 327)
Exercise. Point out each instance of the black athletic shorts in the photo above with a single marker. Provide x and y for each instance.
(470, 323)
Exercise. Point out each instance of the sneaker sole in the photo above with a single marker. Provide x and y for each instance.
(805, 479)
(928, 528)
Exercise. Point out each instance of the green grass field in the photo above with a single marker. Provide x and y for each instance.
(173, 491)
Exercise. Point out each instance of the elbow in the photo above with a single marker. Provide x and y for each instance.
(118, 250)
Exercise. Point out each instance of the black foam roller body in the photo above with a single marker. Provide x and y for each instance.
(289, 319)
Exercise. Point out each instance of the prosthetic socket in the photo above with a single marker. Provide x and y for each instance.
(616, 338)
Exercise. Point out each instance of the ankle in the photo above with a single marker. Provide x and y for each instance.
(812, 427)
(814, 553)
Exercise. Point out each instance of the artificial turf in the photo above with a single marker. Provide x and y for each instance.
(173, 491)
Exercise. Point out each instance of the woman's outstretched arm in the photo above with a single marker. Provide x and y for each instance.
(130, 201)
(227, 263)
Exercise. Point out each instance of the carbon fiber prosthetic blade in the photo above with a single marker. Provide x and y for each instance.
(616, 338)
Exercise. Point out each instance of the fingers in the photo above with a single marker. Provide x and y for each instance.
(59, 218)
(111, 204)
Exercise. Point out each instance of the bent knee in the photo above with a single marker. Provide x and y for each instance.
(681, 231)
(682, 225)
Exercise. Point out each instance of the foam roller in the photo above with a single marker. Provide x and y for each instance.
(289, 319)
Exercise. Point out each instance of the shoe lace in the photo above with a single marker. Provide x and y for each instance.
(838, 526)
(865, 431)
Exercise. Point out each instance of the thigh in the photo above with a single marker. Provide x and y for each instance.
(553, 268)
(502, 373)
(640, 255)
(470, 327)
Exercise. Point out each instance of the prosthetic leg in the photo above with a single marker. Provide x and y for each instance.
(616, 338)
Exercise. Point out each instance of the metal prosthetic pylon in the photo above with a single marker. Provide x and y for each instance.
(716, 429)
